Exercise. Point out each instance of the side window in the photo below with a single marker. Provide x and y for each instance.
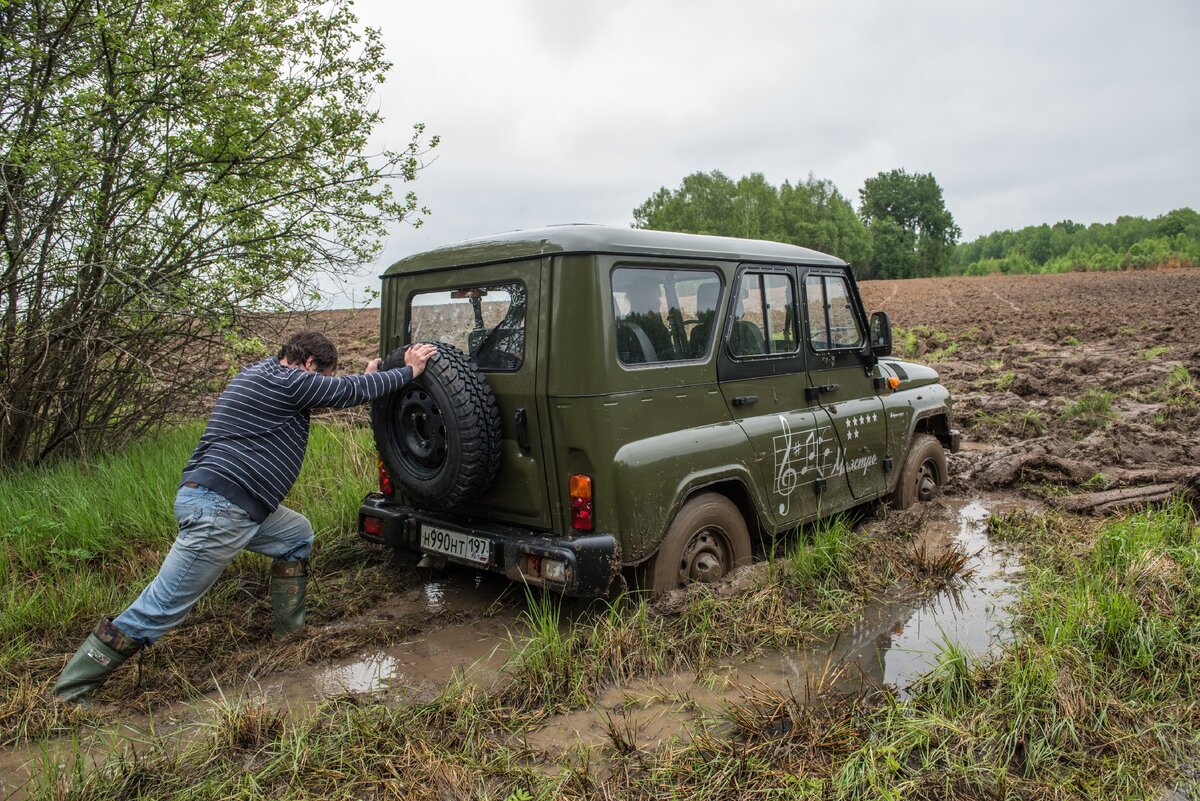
(763, 317)
(487, 322)
(664, 315)
(832, 323)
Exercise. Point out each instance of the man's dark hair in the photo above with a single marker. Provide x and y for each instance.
(310, 343)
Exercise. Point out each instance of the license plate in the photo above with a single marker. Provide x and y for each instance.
(456, 544)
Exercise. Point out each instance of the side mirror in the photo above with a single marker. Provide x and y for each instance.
(881, 334)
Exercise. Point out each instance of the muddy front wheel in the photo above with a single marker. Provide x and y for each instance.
(923, 474)
(705, 542)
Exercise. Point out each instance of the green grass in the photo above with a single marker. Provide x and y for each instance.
(80, 540)
(813, 589)
(1155, 352)
(1093, 409)
(1001, 382)
(1179, 394)
(924, 343)
(1024, 423)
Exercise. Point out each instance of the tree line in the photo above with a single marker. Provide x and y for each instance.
(902, 228)
(1172, 239)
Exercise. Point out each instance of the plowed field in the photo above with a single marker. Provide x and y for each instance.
(1073, 382)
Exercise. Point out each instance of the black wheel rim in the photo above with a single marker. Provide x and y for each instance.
(422, 433)
(706, 557)
(927, 480)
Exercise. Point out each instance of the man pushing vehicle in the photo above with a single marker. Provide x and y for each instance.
(230, 498)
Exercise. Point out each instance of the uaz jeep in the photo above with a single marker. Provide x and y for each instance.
(607, 399)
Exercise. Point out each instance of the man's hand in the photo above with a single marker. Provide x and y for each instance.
(416, 356)
(373, 366)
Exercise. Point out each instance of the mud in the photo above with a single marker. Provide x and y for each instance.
(896, 642)
(1017, 352)
(469, 618)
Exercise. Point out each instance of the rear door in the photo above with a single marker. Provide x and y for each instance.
(494, 313)
(843, 379)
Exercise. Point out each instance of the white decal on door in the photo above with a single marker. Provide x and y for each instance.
(855, 424)
(862, 463)
(802, 457)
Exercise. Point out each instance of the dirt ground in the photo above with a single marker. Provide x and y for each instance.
(1080, 381)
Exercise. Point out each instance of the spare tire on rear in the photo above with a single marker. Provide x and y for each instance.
(439, 436)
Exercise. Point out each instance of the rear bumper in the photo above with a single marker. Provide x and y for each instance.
(591, 560)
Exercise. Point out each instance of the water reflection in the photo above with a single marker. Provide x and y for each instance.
(898, 640)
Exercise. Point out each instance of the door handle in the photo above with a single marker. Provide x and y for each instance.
(745, 400)
(522, 420)
(812, 393)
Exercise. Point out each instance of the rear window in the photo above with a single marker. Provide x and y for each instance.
(664, 315)
(487, 322)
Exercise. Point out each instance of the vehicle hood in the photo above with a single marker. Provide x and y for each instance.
(910, 374)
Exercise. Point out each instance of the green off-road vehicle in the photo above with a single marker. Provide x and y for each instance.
(610, 402)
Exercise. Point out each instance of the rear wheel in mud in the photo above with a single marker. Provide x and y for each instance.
(923, 474)
(439, 436)
(705, 542)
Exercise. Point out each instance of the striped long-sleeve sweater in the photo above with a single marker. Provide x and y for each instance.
(254, 444)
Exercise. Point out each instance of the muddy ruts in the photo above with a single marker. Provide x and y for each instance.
(439, 437)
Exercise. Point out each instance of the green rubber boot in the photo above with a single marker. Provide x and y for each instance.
(288, 583)
(101, 653)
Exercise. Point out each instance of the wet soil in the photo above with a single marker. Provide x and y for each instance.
(472, 621)
(895, 643)
(1018, 353)
(465, 622)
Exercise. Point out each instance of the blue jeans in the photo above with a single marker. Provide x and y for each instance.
(212, 530)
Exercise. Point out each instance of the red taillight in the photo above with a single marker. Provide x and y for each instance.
(582, 511)
(373, 526)
(385, 481)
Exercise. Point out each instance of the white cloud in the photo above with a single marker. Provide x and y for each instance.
(564, 111)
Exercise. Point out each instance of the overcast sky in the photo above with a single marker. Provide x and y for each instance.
(554, 111)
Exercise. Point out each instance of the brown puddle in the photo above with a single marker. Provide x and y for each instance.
(419, 666)
(896, 642)
(416, 668)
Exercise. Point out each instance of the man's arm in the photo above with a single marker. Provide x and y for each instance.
(415, 357)
(318, 391)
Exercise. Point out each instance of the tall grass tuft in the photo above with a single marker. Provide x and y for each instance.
(1093, 409)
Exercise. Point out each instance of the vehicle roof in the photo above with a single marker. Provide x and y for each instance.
(580, 238)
